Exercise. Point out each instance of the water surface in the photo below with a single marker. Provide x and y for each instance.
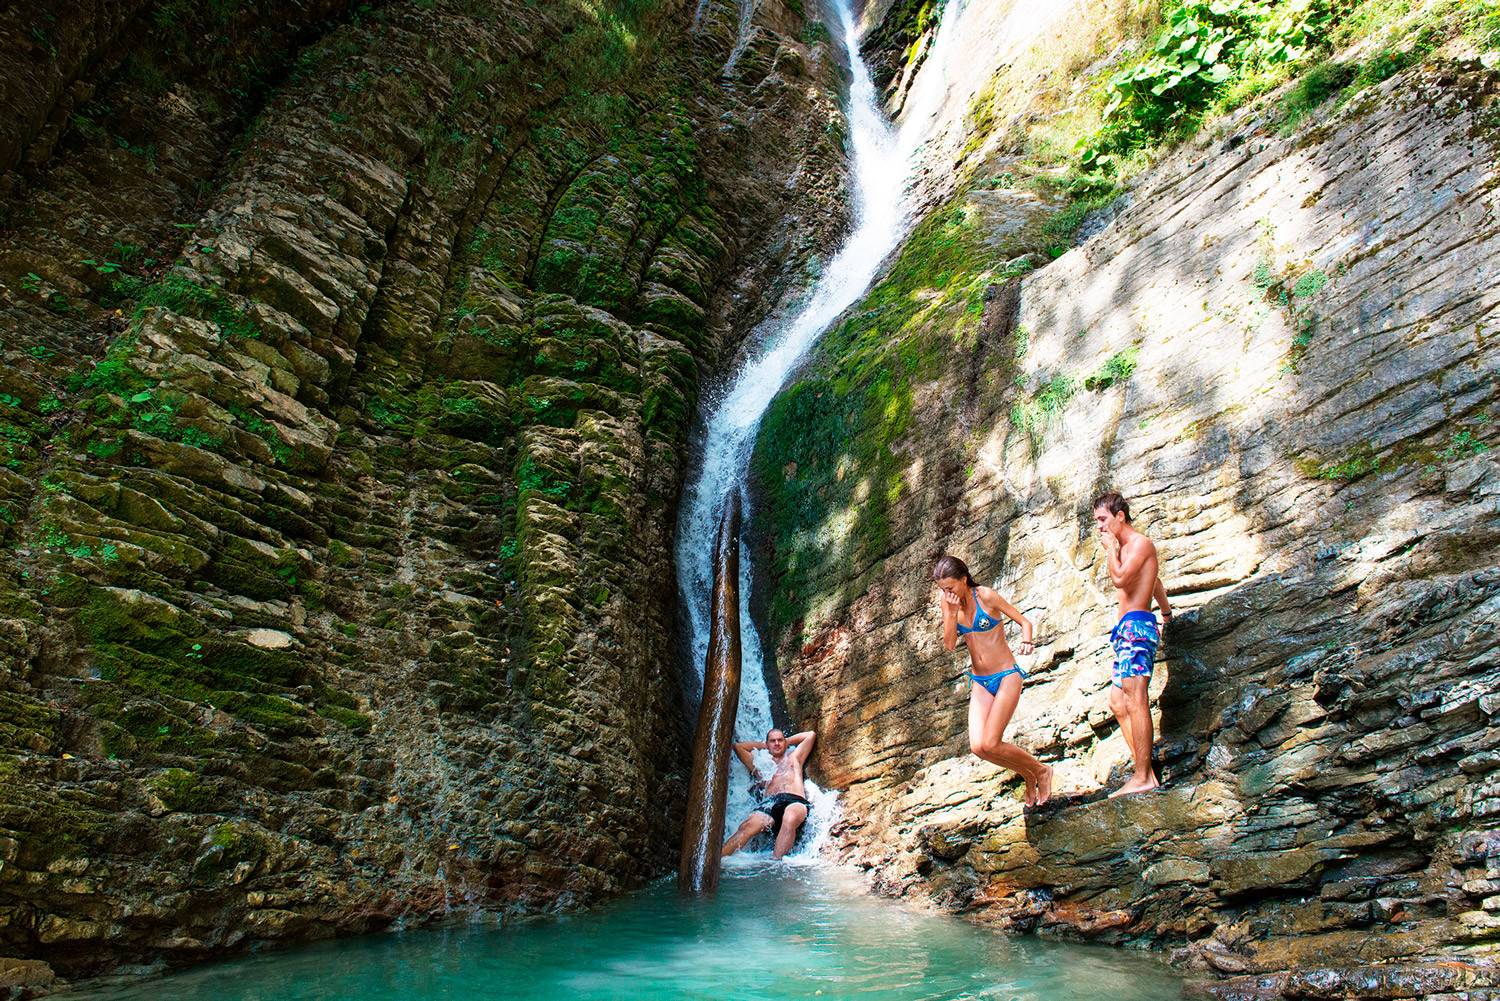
(774, 931)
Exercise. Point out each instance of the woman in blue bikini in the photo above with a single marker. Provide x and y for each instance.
(974, 612)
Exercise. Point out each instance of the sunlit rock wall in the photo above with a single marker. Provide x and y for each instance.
(1280, 349)
(349, 356)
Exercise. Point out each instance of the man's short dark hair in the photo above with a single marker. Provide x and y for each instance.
(1113, 503)
(775, 729)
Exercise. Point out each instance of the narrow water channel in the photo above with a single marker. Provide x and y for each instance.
(772, 932)
(881, 157)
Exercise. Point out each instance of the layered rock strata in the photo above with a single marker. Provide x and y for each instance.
(1280, 351)
(349, 358)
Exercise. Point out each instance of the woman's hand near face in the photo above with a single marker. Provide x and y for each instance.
(949, 603)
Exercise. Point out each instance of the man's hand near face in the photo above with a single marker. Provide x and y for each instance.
(1110, 542)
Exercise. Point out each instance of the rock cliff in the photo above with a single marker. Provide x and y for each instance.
(349, 353)
(1278, 345)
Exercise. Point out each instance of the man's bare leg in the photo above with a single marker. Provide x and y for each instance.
(1120, 706)
(753, 825)
(791, 823)
(1136, 699)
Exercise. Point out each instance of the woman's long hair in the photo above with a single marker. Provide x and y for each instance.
(952, 566)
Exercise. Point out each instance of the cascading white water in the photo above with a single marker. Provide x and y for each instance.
(880, 163)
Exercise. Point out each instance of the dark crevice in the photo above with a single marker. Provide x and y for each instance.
(649, 255)
(554, 199)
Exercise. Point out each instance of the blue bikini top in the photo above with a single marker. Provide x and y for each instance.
(982, 621)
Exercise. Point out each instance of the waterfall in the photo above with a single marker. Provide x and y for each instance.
(880, 164)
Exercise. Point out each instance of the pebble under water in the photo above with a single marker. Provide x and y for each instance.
(773, 931)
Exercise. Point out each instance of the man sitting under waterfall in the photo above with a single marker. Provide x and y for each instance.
(784, 806)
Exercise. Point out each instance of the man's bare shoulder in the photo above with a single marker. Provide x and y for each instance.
(1141, 543)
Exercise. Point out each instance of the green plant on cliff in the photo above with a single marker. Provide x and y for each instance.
(1312, 89)
(1116, 368)
(1463, 445)
(1032, 415)
(531, 476)
(1203, 46)
(183, 295)
(1361, 462)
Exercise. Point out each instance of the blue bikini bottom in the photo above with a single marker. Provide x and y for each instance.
(991, 682)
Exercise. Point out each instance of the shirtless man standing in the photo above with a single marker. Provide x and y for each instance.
(1134, 573)
(784, 807)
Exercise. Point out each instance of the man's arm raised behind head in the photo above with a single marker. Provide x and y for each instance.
(802, 744)
(743, 749)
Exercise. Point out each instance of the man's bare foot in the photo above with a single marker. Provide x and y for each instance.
(1030, 791)
(1136, 785)
(1044, 785)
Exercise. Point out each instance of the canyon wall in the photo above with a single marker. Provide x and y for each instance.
(349, 357)
(1278, 343)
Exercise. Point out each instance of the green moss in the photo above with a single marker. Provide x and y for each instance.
(825, 463)
(146, 624)
(49, 829)
(814, 32)
(900, 31)
(355, 721)
(151, 649)
(826, 459)
(182, 790)
(1360, 462)
(27, 726)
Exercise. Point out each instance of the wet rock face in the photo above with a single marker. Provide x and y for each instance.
(1279, 350)
(349, 358)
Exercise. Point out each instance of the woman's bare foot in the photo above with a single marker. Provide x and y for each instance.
(1044, 785)
(1136, 785)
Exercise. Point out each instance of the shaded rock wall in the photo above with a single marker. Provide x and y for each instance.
(1279, 349)
(349, 357)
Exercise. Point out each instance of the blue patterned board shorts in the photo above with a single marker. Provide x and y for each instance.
(1134, 638)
